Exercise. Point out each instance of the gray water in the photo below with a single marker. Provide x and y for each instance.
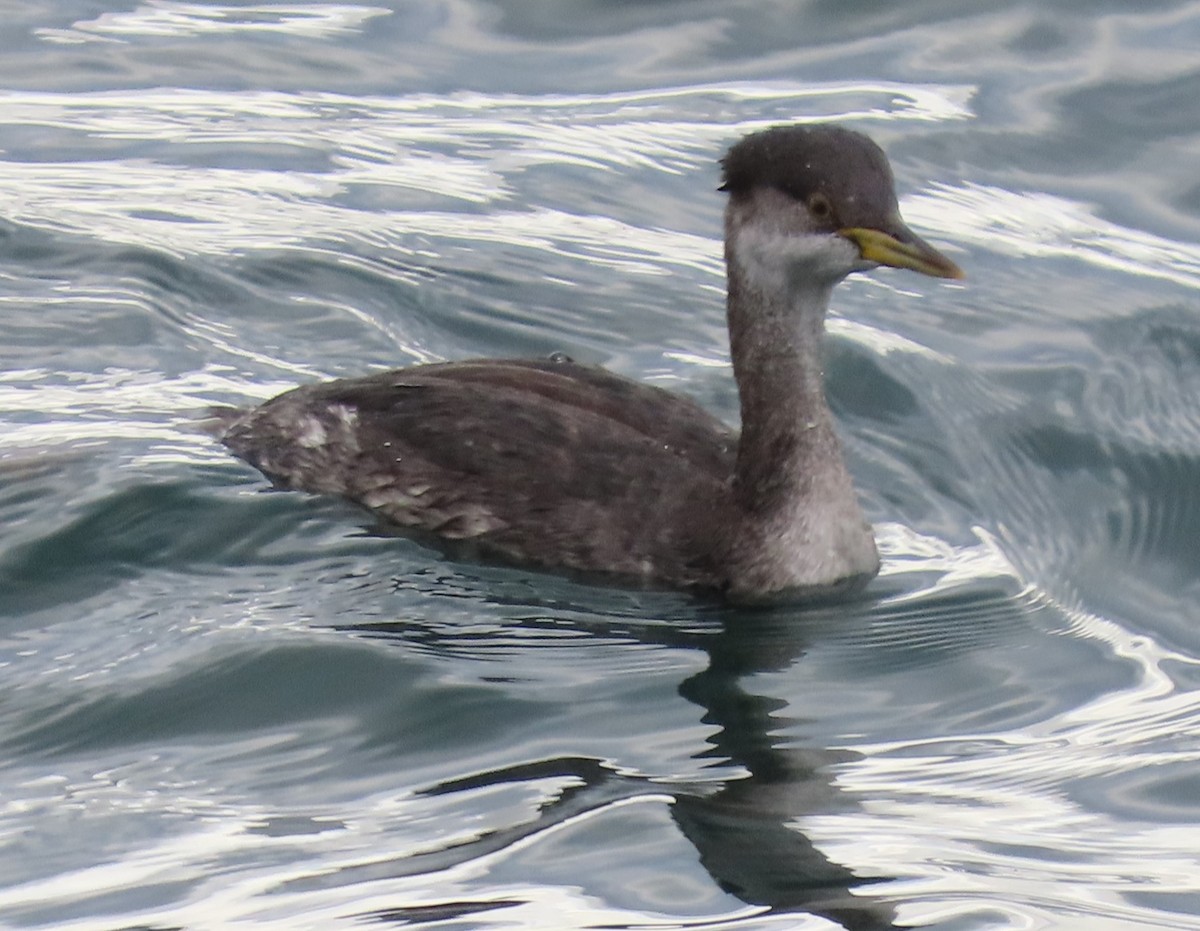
(223, 707)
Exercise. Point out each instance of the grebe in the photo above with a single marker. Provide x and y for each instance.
(568, 467)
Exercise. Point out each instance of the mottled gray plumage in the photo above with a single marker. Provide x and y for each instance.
(569, 467)
(511, 457)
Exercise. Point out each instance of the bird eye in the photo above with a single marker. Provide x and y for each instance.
(819, 206)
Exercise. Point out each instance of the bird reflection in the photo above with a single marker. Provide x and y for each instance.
(745, 829)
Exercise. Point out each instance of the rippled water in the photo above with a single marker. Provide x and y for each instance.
(224, 707)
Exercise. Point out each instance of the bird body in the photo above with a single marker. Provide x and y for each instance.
(569, 467)
(491, 454)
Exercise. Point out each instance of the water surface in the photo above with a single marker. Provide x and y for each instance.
(230, 707)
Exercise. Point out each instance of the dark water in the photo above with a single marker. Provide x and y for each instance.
(223, 707)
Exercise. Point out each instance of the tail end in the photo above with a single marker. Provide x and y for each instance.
(218, 419)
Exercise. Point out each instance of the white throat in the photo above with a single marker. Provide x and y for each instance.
(803, 525)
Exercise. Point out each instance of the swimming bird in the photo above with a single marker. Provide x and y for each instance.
(568, 467)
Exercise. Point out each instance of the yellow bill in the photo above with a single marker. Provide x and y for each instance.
(905, 249)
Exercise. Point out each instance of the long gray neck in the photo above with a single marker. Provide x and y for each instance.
(787, 428)
(802, 524)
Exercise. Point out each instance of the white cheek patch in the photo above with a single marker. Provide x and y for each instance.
(774, 260)
(764, 257)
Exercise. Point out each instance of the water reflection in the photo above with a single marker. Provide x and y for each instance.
(745, 832)
(192, 171)
(167, 18)
(1032, 224)
(743, 826)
